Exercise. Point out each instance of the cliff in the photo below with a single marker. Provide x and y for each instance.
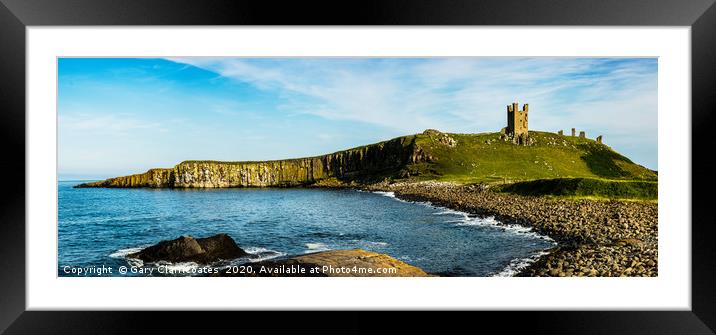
(431, 155)
(378, 160)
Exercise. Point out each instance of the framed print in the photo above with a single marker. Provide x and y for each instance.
(405, 156)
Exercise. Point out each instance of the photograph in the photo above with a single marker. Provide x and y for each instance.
(357, 166)
(224, 160)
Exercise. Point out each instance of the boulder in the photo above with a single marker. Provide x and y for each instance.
(188, 249)
(334, 263)
(371, 264)
(220, 246)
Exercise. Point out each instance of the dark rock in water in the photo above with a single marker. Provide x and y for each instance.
(220, 246)
(189, 249)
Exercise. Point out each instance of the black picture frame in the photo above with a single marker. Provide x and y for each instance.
(16, 15)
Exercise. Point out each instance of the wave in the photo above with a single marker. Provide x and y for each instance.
(387, 194)
(392, 196)
(511, 228)
(490, 221)
(517, 265)
(123, 253)
(447, 211)
(313, 247)
(258, 254)
(465, 219)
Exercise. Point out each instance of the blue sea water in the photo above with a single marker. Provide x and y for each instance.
(99, 226)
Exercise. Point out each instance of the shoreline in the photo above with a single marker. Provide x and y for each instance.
(515, 266)
(594, 238)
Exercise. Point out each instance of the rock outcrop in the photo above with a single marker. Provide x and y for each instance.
(188, 249)
(371, 161)
(336, 263)
(332, 263)
(440, 137)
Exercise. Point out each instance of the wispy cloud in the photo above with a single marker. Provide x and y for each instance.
(450, 93)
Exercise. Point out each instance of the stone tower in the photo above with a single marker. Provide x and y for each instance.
(517, 123)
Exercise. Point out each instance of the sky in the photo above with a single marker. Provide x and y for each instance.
(119, 116)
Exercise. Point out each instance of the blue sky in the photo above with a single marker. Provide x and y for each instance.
(120, 116)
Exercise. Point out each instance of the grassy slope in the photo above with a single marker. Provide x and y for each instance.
(487, 158)
(585, 187)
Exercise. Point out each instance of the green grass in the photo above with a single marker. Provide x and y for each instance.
(486, 158)
(584, 188)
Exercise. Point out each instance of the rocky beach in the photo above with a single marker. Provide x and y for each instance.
(606, 238)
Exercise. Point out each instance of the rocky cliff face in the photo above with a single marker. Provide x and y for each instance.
(152, 178)
(380, 159)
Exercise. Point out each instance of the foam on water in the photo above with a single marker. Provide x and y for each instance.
(518, 265)
(136, 262)
(387, 194)
(258, 254)
(448, 211)
(257, 250)
(392, 196)
(122, 253)
(464, 219)
(490, 221)
(314, 247)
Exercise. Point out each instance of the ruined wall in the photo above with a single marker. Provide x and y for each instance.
(345, 165)
(517, 122)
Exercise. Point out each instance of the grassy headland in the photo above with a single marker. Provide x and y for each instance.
(554, 165)
(487, 158)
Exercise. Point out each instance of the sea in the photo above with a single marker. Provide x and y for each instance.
(98, 227)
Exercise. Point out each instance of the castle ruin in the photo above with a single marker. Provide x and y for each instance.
(517, 123)
(517, 127)
(582, 134)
